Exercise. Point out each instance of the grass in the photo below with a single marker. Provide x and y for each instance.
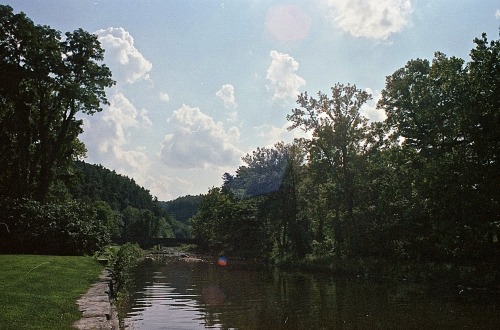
(40, 292)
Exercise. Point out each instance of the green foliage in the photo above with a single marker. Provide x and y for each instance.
(87, 223)
(129, 211)
(270, 181)
(443, 114)
(69, 228)
(181, 210)
(141, 226)
(98, 183)
(226, 225)
(112, 219)
(51, 79)
(337, 154)
(121, 260)
(262, 174)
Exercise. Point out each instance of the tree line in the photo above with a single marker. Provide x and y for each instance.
(420, 187)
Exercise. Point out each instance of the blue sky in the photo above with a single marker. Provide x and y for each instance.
(201, 83)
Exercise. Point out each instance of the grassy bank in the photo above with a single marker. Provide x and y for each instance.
(40, 292)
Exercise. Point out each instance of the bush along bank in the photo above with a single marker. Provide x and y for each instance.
(120, 262)
(64, 228)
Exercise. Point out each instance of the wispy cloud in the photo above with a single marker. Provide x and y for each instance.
(164, 97)
(288, 22)
(285, 83)
(226, 94)
(370, 19)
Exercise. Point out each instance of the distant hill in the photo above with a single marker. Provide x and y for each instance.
(181, 210)
(95, 182)
(136, 215)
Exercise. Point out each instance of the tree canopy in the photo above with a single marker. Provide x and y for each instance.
(47, 79)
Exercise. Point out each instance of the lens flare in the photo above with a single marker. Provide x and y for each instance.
(222, 261)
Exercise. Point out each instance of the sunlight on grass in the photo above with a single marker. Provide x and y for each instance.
(40, 292)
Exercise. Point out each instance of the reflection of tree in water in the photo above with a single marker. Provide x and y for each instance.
(212, 295)
(244, 297)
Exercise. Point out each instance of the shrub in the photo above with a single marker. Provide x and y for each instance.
(121, 261)
(68, 228)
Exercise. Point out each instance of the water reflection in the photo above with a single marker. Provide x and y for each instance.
(173, 294)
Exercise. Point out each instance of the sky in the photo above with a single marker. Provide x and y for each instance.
(201, 83)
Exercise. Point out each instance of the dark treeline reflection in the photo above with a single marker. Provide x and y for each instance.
(190, 295)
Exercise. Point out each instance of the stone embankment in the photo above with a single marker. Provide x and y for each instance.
(98, 312)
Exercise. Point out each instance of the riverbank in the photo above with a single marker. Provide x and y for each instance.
(98, 311)
(40, 292)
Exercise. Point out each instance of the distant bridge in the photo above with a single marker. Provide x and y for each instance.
(170, 242)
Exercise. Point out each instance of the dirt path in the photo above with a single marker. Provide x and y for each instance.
(97, 310)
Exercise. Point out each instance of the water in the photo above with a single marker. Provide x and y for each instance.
(175, 294)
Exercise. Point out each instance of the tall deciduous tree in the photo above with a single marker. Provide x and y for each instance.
(46, 80)
(339, 138)
(262, 173)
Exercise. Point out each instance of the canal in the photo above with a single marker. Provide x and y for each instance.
(171, 293)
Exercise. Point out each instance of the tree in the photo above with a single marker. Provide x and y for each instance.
(270, 178)
(225, 224)
(47, 79)
(445, 113)
(340, 135)
(262, 174)
(112, 219)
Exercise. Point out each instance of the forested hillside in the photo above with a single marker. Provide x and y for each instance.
(420, 190)
(181, 210)
(131, 212)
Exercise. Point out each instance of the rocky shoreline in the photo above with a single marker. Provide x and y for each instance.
(98, 311)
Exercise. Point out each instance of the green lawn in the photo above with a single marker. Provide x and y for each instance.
(40, 292)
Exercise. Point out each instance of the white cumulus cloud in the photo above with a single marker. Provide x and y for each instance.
(105, 135)
(370, 19)
(497, 14)
(198, 141)
(369, 109)
(226, 94)
(285, 83)
(127, 64)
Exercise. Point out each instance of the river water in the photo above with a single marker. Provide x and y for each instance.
(176, 294)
